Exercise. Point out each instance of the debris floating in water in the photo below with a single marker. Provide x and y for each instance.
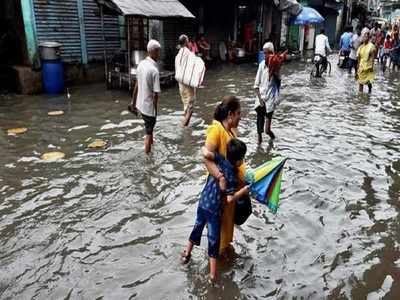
(55, 155)
(55, 113)
(97, 143)
(14, 131)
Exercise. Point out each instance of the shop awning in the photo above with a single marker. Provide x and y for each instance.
(152, 9)
(292, 6)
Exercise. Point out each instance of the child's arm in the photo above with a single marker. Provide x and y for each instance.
(239, 194)
(207, 154)
(211, 156)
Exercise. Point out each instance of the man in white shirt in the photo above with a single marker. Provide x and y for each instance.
(147, 90)
(321, 45)
(267, 87)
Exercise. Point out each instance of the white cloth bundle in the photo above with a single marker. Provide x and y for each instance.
(189, 69)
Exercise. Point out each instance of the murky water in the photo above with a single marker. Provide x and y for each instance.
(109, 224)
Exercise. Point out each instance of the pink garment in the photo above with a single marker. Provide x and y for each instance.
(193, 47)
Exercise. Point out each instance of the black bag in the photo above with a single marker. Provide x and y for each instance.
(242, 210)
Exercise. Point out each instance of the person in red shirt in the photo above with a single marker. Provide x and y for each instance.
(387, 45)
(205, 47)
(249, 36)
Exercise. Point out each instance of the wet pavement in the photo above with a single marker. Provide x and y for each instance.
(109, 224)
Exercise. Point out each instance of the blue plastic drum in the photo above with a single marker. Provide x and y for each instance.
(261, 56)
(53, 76)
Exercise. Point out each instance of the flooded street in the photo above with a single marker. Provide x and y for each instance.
(110, 224)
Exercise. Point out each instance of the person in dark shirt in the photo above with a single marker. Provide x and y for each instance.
(209, 210)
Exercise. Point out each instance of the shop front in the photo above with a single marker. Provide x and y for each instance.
(303, 37)
(236, 30)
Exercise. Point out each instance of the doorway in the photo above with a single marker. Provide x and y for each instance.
(13, 49)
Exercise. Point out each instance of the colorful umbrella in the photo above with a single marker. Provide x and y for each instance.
(265, 182)
(307, 16)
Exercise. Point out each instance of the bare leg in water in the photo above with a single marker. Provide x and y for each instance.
(186, 255)
(261, 114)
(189, 92)
(259, 138)
(188, 116)
(148, 141)
(369, 88)
(213, 269)
(361, 88)
(268, 123)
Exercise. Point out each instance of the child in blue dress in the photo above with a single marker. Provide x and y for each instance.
(210, 206)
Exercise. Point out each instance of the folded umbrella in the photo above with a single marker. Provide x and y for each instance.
(274, 193)
(265, 182)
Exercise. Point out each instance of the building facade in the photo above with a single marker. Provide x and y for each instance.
(73, 23)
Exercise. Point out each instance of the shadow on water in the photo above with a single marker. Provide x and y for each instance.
(110, 223)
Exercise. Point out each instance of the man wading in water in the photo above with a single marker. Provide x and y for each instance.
(267, 86)
(146, 92)
(188, 93)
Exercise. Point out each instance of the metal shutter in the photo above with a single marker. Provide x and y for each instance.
(57, 21)
(94, 39)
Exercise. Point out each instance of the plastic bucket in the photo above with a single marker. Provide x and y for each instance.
(261, 57)
(53, 77)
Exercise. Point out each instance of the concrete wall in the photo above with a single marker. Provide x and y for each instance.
(29, 81)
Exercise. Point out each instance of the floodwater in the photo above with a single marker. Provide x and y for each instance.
(110, 224)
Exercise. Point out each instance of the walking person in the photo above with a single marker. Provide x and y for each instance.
(366, 56)
(147, 92)
(187, 93)
(345, 41)
(395, 29)
(377, 38)
(210, 207)
(267, 87)
(227, 116)
(387, 48)
(395, 51)
(355, 43)
(376, 35)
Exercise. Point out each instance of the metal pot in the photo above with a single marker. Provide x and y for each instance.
(50, 50)
(138, 56)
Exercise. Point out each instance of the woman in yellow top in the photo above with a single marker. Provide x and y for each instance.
(222, 129)
(366, 58)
